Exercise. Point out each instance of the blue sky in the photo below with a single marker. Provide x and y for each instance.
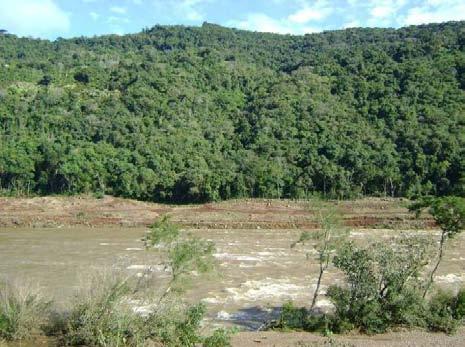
(67, 18)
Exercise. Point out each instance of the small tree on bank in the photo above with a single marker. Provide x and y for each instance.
(449, 215)
(325, 242)
(184, 255)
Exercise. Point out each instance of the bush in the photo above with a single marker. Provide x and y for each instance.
(446, 311)
(302, 319)
(22, 311)
(184, 254)
(459, 308)
(103, 312)
(219, 338)
(383, 290)
(292, 317)
(101, 316)
(441, 313)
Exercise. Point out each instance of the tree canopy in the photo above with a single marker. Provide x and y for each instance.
(192, 114)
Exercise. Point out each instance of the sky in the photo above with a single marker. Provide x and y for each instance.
(69, 18)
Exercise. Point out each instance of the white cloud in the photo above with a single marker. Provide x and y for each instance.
(382, 11)
(190, 10)
(94, 15)
(264, 23)
(447, 11)
(118, 9)
(38, 18)
(305, 15)
(314, 12)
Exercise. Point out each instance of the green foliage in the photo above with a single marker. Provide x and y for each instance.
(22, 311)
(162, 231)
(192, 255)
(292, 317)
(103, 312)
(191, 114)
(185, 254)
(100, 317)
(186, 330)
(382, 285)
(383, 291)
(448, 212)
(459, 305)
(442, 312)
(302, 319)
(219, 338)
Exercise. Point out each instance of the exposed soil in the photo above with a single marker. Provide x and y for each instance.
(59, 211)
(394, 339)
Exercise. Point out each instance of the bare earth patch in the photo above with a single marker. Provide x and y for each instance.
(59, 211)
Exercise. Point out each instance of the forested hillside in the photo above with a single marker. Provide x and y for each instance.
(192, 114)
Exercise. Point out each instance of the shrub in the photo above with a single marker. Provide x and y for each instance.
(219, 338)
(441, 313)
(302, 319)
(174, 324)
(446, 311)
(22, 311)
(383, 289)
(101, 316)
(459, 308)
(292, 317)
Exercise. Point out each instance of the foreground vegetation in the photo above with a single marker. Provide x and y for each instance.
(387, 283)
(192, 114)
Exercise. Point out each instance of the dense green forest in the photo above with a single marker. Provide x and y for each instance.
(190, 114)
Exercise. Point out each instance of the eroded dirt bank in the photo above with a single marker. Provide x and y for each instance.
(62, 211)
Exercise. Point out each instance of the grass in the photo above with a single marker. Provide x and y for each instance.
(23, 310)
(103, 315)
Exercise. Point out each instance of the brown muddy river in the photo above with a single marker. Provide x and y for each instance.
(257, 270)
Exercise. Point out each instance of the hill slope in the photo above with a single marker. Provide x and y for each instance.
(207, 113)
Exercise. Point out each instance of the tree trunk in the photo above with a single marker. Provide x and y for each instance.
(317, 289)
(433, 272)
